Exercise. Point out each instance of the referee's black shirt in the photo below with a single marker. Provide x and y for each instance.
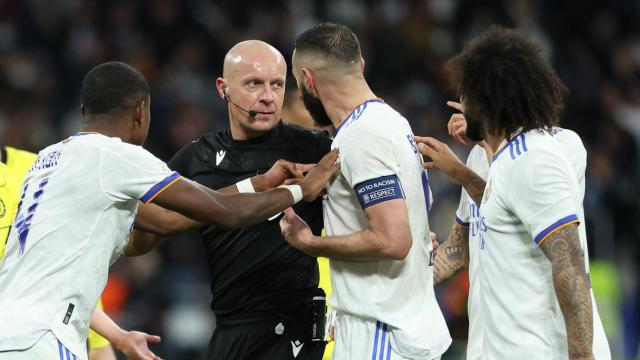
(254, 269)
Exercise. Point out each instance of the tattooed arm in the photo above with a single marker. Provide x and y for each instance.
(570, 282)
(473, 183)
(453, 255)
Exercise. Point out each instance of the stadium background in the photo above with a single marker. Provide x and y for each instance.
(46, 47)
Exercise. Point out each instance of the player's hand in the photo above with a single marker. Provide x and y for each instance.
(317, 178)
(284, 171)
(442, 158)
(134, 344)
(296, 231)
(457, 125)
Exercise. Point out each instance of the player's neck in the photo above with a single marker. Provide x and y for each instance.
(494, 141)
(106, 127)
(342, 100)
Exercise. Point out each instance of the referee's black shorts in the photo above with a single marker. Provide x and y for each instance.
(281, 335)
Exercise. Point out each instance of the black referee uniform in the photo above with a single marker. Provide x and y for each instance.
(261, 286)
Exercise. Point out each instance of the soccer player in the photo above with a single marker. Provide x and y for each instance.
(378, 239)
(131, 343)
(262, 287)
(78, 205)
(464, 245)
(535, 301)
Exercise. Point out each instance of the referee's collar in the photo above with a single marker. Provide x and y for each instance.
(258, 139)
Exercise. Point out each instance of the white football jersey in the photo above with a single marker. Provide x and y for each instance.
(380, 161)
(468, 215)
(532, 190)
(77, 209)
(576, 155)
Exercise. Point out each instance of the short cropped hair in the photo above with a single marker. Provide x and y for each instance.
(504, 79)
(112, 87)
(333, 41)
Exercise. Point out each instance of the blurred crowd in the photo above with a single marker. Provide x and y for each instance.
(46, 47)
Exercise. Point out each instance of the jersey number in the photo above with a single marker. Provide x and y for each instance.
(23, 221)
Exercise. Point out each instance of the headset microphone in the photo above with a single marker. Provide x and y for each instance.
(250, 112)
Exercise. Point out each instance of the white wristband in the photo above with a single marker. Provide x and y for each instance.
(245, 186)
(295, 190)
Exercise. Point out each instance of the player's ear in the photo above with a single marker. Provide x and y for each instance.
(221, 87)
(138, 114)
(362, 63)
(309, 81)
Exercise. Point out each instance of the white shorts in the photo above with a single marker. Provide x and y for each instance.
(358, 338)
(48, 347)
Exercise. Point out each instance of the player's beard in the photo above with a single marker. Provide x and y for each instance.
(315, 108)
(475, 127)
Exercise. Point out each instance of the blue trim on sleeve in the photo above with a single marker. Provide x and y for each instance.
(544, 233)
(459, 221)
(159, 187)
(377, 190)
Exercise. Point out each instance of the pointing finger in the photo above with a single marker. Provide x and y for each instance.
(455, 105)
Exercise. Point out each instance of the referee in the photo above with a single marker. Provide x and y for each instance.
(262, 287)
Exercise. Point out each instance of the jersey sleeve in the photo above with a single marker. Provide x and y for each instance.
(134, 173)
(370, 166)
(462, 213)
(541, 194)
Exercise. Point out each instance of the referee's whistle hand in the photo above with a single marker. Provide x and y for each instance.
(317, 178)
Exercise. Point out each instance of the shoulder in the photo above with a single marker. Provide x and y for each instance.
(530, 144)
(382, 114)
(304, 133)
(478, 161)
(305, 137)
(115, 150)
(569, 139)
(201, 148)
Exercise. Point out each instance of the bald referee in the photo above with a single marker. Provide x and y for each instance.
(262, 287)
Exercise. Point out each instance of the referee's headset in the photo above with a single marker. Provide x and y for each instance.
(250, 112)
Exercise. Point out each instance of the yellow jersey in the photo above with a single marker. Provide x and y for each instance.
(18, 161)
(9, 198)
(325, 284)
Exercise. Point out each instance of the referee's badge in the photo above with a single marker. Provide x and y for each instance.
(220, 156)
